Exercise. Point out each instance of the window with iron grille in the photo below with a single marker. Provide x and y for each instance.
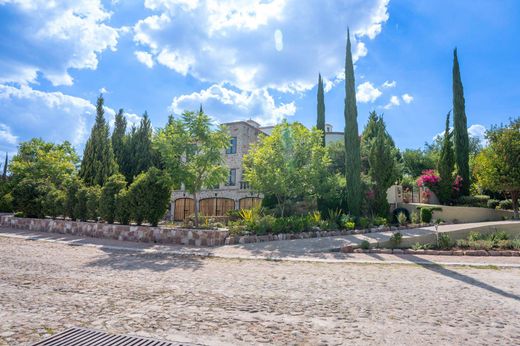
(232, 149)
(232, 178)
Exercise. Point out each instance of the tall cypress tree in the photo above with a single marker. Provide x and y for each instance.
(118, 138)
(98, 161)
(320, 122)
(139, 154)
(353, 156)
(4, 174)
(460, 128)
(445, 165)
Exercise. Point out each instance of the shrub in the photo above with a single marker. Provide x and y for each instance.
(123, 214)
(107, 200)
(419, 246)
(28, 197)
(335, 216)
(426, 215)
(444, 241)
(363, 222)
(380, 221)
(350, 225)
(80, 209)
(402, 219)
(473, 201)
(265, 225)
(396, 239)
(72, 186)
(498, 235)
(473, 235)
(506, 204)
(149, 196)
(93, 196)
(365, 245)
(398, 211)
(493, 203)
(53, 202)
(6, 202)
(416, 218)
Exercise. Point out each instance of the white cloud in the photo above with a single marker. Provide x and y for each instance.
(232, 42)
(479, 131)
(103, 90)
(66, 34)
(389, 84)
(145, 58)
(407, 98)
(6, 136)
(366, 92)
(229, 105)
(394, 101)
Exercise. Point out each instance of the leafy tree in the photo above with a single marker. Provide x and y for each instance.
(81, 205)
(460, 131)
(383, 167)
(107, 200)
(118, 139)
(148, 196)
(337, 157)
(290, 163)
(29, 196)
(72, 185)
(445, 165)
(415, 161)
(352, 145)
(98, 157)
(320, 122)
(497, 167)
(191, 151)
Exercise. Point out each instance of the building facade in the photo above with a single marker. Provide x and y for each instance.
(235, 192)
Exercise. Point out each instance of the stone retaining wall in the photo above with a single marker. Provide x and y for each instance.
(182, 236)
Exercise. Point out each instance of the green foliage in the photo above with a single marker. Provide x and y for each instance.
(191, 151)
(6, 198)
(474, 235)
(72, 186)
(415, 218)
(149, 196)
(497, 166)
(416, 161)
(363, 222)
(289, 164)
(53, 202)
(395, 240)
(473, 201)
(460, 128)
(426, 215)
(123, 207)
(365, 245)
(495, 240)
(119, 140)
(98, 157)
(352, 143)
(107, 200)
(28, 197)
(380, 221)
(93, 198)
(445, 165)
(402, 219)
(81, 206)
(492, 203)
(320, 122)
(444, 241)
(506, 204)
(419, 246)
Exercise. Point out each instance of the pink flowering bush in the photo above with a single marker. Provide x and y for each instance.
(428, 179)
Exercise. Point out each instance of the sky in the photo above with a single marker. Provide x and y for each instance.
(253, 59)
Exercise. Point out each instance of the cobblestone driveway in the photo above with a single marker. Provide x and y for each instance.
(47, 287)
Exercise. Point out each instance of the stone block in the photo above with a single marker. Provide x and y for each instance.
(397, 251)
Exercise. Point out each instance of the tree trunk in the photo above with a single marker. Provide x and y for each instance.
(196, 210)
(514, 200)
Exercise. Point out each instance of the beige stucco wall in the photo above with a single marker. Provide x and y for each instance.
(461, 214)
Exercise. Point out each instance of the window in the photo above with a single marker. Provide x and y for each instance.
(232, 178)
(232, 146)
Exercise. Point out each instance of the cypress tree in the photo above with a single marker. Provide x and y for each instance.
(98, 161)
(4, 174)
(353, 156)
(460, 128)
(445, 164)
(118, 138)
(139, 154)
(320, 122)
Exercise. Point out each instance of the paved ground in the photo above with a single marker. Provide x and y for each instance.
(46, 287)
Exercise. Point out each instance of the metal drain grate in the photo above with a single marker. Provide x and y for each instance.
(87, 337)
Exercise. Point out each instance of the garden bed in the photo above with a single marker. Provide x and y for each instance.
(455, 252)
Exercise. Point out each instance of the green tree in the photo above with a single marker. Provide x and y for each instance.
(445, 165)
(460, 128)
(93, 197)
(415, 161)
(497, 166)
(352, 144)
(107, 200)
(118, 139)
(53, 202)
(149, 196)
(383, 167)
(289, 164)
(123, 207)
(72, 185)
(320, 122)
(6, 163)
(98, 157)
(191, 151)
(139, 152)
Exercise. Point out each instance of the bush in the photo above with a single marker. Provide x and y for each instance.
(54, 202)
(149, 196)
(419, 246)
(123, 207)
(444, 241)
(28, 197)
(473, 235)
(426, 215)
(416, 218)
(364, 222)
(473, 201)
(402, 219)
(493, 203)
(80, 209)
(93, 197)
(107, 200)
(365, 245)
(398, 211)
(6, 202)
(72, 186)
(506, 204)
(396, 239)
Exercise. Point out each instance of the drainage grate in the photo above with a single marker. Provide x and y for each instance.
(87, 337)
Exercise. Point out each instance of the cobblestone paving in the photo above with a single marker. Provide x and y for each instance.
(46, 287)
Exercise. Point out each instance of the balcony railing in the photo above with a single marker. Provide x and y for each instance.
(244, 185)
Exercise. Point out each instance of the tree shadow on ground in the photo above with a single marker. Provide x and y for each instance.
(157, 262)
(438, 268)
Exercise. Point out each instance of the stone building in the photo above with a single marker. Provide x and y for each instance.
(235, 192)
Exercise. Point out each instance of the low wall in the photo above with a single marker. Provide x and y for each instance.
(181, 236)
(461, 214)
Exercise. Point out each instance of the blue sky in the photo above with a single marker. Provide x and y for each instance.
(255, 59)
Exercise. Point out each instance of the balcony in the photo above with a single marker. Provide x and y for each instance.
(244, 185)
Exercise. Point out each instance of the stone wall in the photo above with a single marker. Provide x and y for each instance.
(181, 236)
